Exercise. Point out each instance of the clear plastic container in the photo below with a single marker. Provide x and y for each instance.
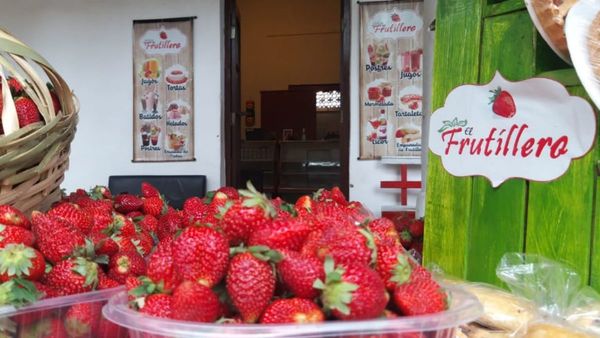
(464, 308)
(52, 315)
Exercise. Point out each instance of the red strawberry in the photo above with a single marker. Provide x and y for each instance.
(304, 204)
(347, 244)
(148, 223)
(298, 274)
(45, 290)
(101, 221)
(125, 203)
(15, 235)
(338, 196)
(105, 282)
(16, 88)
(503, 103)
(163, 35)
(384, 232)
(74, 275)
(73, 213)
(27, 111)
(281, 234)
(161, 268)
(293, 310)
(124, 264)
(55, 102)
(242, 218)
(250, 283)
(231, 192)
(148, 190)
(81, 320)
(395, 17)
(10, 215)
(56, 238)
(154, 206)
(405, 238)
(143, 242)
(416, 228)
(123, 225)
(103, 244)
(131, 284)
(194, 207)
(352, 291)
(392, 265)
(158, 305)
(420, 296)
(169, 224)
(201, 254)
(134, 215)
(194, 302)
(18, 260)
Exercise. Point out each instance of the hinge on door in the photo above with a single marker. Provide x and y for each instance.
(232, 33)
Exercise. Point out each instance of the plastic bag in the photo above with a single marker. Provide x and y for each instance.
(566, 307)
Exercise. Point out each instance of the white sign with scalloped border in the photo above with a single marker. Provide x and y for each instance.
(530, 129)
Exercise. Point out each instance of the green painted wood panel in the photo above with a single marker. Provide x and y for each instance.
(498, 214)
(595, 263)
(503, 7)
(456, 61)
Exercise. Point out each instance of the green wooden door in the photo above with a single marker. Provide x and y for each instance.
(470, 225)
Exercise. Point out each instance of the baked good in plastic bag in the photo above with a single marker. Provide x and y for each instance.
(505, 315)
(549, 18)
(554, 330)
(566, 307)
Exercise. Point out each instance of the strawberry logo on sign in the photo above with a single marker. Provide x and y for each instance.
(503, 103)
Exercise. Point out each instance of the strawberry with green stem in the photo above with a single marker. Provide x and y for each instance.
(18, 292)
(502, 103)
(56, 237)
(250, 280)
(18, 260)
(240, 218)
(27, 111)
(416, 292)
(352, 291)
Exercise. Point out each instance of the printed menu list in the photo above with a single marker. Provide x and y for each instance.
(391, 84)
(163, 90)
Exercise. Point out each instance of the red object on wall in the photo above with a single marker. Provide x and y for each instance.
(404, 184)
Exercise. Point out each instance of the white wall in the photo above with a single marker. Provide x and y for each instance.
(366, 175)
(90, 43)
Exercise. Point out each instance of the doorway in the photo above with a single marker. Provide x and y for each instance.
(289, 136)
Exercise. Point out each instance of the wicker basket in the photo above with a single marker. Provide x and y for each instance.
(33, 159)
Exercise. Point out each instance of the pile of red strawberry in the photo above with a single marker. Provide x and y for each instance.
(240, 257)
(87, 241)
(410, 230)
(27, 110)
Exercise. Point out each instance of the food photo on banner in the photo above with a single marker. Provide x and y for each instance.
(163, 90)
(391, 79)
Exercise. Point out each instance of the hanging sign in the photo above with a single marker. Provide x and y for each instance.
(530, 129)
(163, 90)
(391, 79)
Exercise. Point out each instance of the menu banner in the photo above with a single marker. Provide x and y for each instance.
(163, 90)
(391, 79)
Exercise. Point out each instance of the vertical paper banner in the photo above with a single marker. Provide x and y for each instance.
(163, 90)
(391, 79)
